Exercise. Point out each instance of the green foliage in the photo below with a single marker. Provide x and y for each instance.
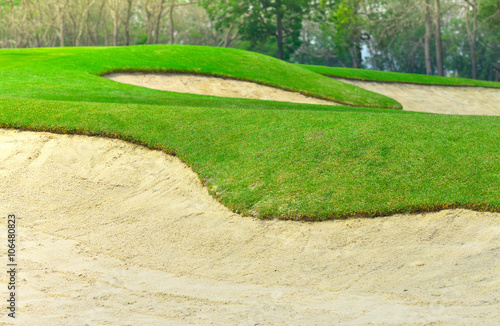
(259, 20)
(224, 12)
(346, 25)
(269, 47)
(142, 41)
(487, 45)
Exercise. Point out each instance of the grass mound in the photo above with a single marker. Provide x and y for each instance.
(72, 74)
(266, 159)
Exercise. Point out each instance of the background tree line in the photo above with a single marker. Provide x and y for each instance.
(439, 37)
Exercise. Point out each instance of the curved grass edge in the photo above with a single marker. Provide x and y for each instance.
(395, 77)
(245, 66)
(409, 209)
(225, 76)
(71, 74)
(405, 210)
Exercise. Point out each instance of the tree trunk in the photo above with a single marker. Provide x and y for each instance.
(87, 22)
(126, 22)
(428, 31)
(99, 19)
(356, 37)
(355, 52)
(106, 36)
(149, 21)
(472, 34)
(75, 29)
(359, 57)
(437, 36)
(172, 25)
(115, 13)
(279, 29)
(61, 23)
(158, 21)
(62, 29)
(230, 36)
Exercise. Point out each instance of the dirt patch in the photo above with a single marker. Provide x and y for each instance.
(113, 233)
(438, 99)
(205, 85)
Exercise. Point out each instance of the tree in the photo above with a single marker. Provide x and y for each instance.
(488, 39)
(171, 8)
(319, 46)
(115, 10)
(59, 21)
(260, 19)
(126, 21)
(227, 17)
(437, 37)
(172, 24)
(349, 24)
(472, 31)
(154, 12)
(428, 33)
(396, 35)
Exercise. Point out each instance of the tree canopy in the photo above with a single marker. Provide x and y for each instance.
(260, 20)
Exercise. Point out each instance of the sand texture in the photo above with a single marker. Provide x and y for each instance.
(114, 234)
(421, 98)
(438, 99)
(205, 85)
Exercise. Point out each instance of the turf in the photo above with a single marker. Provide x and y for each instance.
(395, 77)
(265, 159)
(73, 74)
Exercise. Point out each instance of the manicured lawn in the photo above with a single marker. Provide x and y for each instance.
(395, 77)
(73, 74)
(259, 158)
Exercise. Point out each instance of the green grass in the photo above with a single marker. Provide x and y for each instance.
(73, 74)
(259, 158)
(396, 77)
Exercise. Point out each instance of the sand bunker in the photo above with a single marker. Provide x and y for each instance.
(438, 99)
(205, 85)
(113, 233)
(422, 98)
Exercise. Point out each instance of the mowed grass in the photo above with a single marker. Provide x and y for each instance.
(395, 77)
(265, 159)
(73, 74)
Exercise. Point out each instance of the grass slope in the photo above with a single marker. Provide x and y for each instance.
(396, 77)
(259, 158)
(73, 74)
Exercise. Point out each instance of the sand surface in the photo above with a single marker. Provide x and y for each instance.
(205, 85)
(422, 98)
(114, 234)
(438, 99)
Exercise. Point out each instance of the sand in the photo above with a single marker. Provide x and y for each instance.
(420, 98)
(205, 85)
(115, 234)
(438, 99)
